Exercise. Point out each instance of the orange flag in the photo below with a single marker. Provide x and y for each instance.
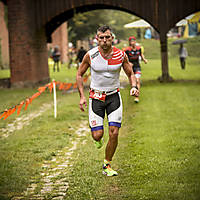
(67, 86)
(19, 107)
(7, 113)
(13, 110)
(61, 86)
(27, 103)
(35, 95)
(57, 82)
(50, 86)
(75, 85)
(3, 115)
(41, 89)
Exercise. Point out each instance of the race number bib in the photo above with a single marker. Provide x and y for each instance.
(97, 95)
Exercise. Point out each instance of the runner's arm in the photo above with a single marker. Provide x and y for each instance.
(79, 79)
(129, 72)
(143, 58)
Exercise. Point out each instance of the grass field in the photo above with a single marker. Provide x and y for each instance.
(159, 143)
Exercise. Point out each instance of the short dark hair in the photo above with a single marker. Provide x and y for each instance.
(104, 28)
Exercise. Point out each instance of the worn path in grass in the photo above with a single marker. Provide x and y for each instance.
(22, 121)
(53, 183)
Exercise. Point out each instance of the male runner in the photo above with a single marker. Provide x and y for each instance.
(134, 52)
(105, 62)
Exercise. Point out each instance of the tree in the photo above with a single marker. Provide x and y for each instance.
(84, 25)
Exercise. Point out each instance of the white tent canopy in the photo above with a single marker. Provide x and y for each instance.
(138, 24)
(183, 22)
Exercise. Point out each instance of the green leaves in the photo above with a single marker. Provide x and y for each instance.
(84, 25)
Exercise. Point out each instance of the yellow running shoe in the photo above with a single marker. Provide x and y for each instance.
(108, 171)
(99, 143)
(136, 100)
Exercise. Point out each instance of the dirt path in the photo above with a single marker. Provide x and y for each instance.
(53, 184)
(22, 121)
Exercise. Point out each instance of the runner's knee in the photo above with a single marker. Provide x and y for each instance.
(97, 135)
(113, 131)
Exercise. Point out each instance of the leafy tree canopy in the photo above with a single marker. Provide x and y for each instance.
(84, 25)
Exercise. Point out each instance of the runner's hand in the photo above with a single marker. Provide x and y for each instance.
(145, 61)
(83, 102)
(134, 92)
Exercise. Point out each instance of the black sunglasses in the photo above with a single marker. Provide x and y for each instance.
(107, 37)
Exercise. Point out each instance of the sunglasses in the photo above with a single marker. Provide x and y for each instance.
(107, 37)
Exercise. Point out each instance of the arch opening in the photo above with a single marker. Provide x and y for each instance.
(55, 22)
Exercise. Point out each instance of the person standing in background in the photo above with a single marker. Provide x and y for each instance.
(56, 58)
(182, 55)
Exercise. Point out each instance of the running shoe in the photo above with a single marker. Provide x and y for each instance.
(136, 100)
(99, 143)
(108, 171)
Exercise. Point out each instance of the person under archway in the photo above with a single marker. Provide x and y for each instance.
(80, 55)
(56, 58)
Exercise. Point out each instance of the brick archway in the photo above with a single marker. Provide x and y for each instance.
(31, 24)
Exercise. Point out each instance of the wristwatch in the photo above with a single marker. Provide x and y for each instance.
(135, 86)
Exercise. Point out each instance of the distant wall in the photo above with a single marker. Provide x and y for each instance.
(60, 38)
(4, 60)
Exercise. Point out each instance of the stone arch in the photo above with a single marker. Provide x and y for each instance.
(184, 15)
(32, 22)
(56, 21)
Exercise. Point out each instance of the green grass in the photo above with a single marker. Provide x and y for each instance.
(152, 70)
(5, 73)
(158, 152)
(159, 143)
(24, 151)
(65, 75)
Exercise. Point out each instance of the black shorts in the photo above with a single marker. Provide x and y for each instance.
(113, 108)
(136, 67)
(137, 70)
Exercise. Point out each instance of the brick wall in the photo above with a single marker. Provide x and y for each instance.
(60, 38)
(4, 38)
(28, 52)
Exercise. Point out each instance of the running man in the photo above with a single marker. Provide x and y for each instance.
(105, 62)
(134, 53)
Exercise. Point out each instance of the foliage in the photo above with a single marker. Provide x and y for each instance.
(84, 25)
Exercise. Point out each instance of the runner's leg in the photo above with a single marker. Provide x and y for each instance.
(137, 76)
(114, 112)
(112, 142)
(96, 118)
(138, 83)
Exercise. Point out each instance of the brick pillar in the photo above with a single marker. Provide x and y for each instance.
(4, 37)
(60, 38)
(28, 52)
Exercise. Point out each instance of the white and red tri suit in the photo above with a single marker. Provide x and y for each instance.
(105, 79)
